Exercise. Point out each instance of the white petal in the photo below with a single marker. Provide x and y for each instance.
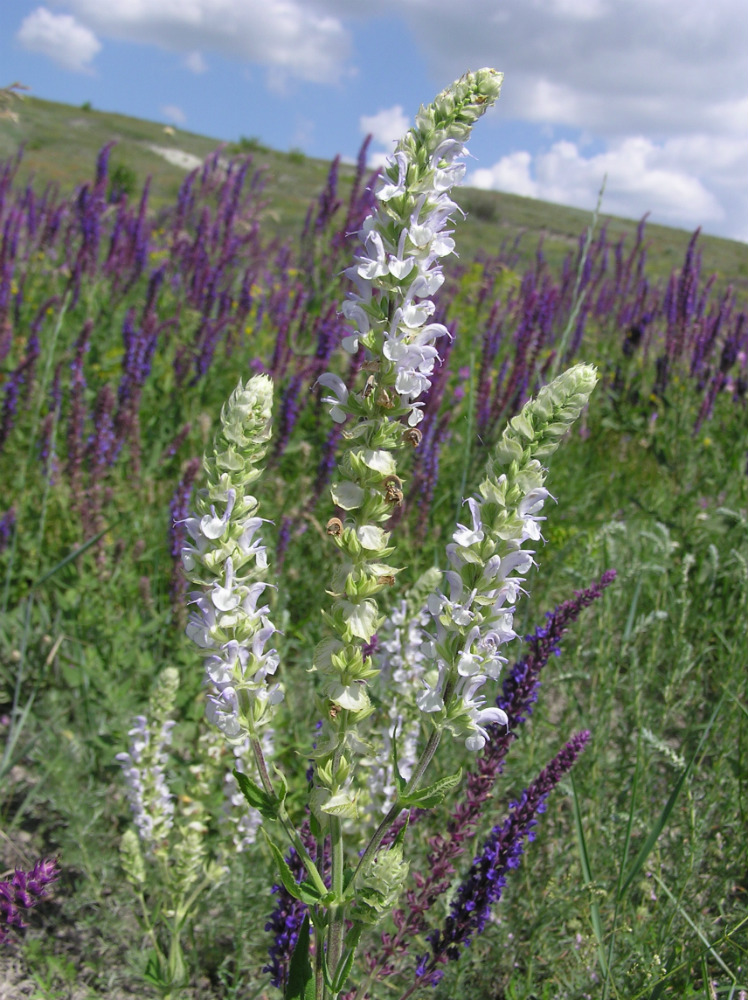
(400, 268)
(371, 537)
(360, 618)
(347, 495)
(429, 701)
(496, 715)
(352, 696)
(475, 742)
(331, 381)
(380, 461)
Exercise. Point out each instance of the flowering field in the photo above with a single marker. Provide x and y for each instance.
(170, 831)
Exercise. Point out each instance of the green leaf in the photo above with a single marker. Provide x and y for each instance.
(71, 556)
(427, 798)
(153, 973)
(344, 968)
(314, 826)
(282, 782)
(597, 925)
(300, 973)
(304, 891)
(310, 893)
(257, 797)
(348, 874)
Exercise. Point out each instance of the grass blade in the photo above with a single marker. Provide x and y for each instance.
(697, 930)
(71, 557)
(625, 857)
(661, 823)
(597, 925)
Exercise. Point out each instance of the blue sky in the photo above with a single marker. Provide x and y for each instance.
(651, 93)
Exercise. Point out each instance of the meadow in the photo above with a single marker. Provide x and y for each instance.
(124, 327)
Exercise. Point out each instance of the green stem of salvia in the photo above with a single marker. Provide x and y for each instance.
(284, 818)
(577, 299)
(319, 958)
(415, 779)
(337, 910)
(149, 928)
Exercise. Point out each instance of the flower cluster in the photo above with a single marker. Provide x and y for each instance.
(404, 239)
(519, 692)
(229, 622)
(144, 766)
(489, 564)
(402, 662)
(390, 313)
(22, 892)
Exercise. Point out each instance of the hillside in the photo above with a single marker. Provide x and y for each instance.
(60, 144)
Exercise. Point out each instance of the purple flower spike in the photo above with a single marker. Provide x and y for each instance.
(502, 851)
(179, 509)
(24, 891)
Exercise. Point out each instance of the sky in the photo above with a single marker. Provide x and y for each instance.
(651, 95)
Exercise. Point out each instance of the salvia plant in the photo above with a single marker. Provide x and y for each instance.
(385, 702)
(165, 858)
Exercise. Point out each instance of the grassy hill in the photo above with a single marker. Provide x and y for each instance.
(61, 142)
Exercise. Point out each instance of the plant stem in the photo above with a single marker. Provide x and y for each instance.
(319, 958)
(337, 910)
(419, 770)
(577, 299)
(284, 818)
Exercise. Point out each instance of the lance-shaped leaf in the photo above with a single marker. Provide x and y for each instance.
(304, 891)
(300, 973)
(427, 798)
(257, 797)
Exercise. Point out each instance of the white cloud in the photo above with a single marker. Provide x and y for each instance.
(668, 179)
(386, 127)
(658, 84)
(655, 67)
(173, 113)
(288, 37)
(60, 37)
(582, 10)
(195, 62)
(512, 173)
